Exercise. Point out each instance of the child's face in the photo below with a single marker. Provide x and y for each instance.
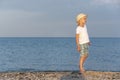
(84, 19)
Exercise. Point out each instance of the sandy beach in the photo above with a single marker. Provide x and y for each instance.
(88, 75)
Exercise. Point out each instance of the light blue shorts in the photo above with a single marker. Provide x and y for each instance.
(84, 49)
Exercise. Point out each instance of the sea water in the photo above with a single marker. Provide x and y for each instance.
(57, 54)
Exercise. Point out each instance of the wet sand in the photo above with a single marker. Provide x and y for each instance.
(88, 75)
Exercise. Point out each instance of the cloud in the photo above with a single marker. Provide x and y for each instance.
(32, 23)
(109, 2)
(20, 22)
(12, 17)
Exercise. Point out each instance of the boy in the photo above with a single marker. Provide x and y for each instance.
(82, 40)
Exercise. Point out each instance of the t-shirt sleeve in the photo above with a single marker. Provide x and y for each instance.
(78, 30)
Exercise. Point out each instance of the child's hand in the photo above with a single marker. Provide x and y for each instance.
(89, 43)
(78, 48)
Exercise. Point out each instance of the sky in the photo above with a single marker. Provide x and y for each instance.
(57, 18)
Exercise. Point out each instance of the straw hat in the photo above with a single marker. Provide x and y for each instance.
(80, 16)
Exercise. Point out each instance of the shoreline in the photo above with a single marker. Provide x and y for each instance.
(60, 75)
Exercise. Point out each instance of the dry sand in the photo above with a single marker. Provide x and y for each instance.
(88, 75)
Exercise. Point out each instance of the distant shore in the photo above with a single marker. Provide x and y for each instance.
(88, 75)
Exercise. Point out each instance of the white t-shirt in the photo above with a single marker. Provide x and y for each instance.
(83, 34)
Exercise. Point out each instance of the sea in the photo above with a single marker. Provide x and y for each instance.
(57, 54)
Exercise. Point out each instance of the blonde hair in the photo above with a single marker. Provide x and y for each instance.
(78, 18)
(78, 22)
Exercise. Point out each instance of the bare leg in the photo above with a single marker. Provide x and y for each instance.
(81, 62)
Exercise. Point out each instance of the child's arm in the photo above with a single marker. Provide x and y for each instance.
(77, 42)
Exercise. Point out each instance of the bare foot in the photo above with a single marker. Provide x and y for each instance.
(82, 70)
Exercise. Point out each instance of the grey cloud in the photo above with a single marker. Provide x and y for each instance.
(56, 18)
